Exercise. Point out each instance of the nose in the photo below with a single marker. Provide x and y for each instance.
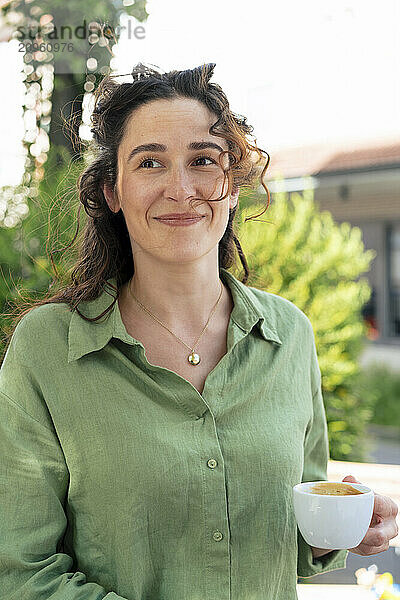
(180, 184)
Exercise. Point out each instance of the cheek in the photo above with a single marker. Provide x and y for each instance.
(220, 210)
(136, 200)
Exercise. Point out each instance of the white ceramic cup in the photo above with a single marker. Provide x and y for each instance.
(333, 522)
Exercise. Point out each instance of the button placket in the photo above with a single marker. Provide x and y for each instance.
(214, 501)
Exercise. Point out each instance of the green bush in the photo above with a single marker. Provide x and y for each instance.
(301, 254)
(380, 387)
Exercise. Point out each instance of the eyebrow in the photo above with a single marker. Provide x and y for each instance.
(153, 147)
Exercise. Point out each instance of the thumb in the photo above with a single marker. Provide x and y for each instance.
(350, 479)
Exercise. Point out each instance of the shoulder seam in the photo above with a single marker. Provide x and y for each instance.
(23, 410)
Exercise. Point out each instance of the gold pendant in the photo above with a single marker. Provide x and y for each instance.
(194, 358)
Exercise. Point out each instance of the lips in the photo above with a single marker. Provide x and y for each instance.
(179, 217)
(180, 220)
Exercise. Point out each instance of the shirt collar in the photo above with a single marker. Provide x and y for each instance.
(85, 336)
(248, 309)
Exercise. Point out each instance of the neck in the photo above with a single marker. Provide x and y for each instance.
(181, 296)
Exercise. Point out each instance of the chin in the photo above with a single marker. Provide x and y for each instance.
(183, 256)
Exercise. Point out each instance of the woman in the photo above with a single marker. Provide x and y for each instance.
(150, 444)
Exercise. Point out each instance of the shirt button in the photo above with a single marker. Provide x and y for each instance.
(217, 535)
(212, 463)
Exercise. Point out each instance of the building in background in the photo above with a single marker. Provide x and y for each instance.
(359, 184)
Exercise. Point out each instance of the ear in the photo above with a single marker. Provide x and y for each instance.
(233, 200)
(111, 198)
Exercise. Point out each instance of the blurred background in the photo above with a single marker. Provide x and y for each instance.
(319, 82)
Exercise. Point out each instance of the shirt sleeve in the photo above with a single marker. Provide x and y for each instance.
(316, 454)
(33, 487)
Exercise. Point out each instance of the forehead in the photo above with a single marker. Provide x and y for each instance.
(170, 121)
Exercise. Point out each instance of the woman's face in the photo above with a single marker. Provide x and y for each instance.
(163, 179)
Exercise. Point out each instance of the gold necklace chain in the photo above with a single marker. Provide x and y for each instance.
(193, 358)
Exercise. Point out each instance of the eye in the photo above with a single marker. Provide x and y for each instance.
(205, 158)
(147, 160)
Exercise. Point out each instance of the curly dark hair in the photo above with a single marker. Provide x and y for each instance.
(105, 250)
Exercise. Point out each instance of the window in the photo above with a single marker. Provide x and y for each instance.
(394, 281)
(369, 315)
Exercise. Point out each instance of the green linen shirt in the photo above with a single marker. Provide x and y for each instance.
(119, 480)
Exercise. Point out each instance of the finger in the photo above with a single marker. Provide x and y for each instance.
(385, 506)
(380, 534)
(366, 550)
(351, 479)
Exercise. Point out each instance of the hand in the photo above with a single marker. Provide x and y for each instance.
(382, 528)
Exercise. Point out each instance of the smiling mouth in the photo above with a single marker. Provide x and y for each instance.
(179, 221)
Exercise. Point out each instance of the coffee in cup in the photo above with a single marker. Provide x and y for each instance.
(331, 488)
